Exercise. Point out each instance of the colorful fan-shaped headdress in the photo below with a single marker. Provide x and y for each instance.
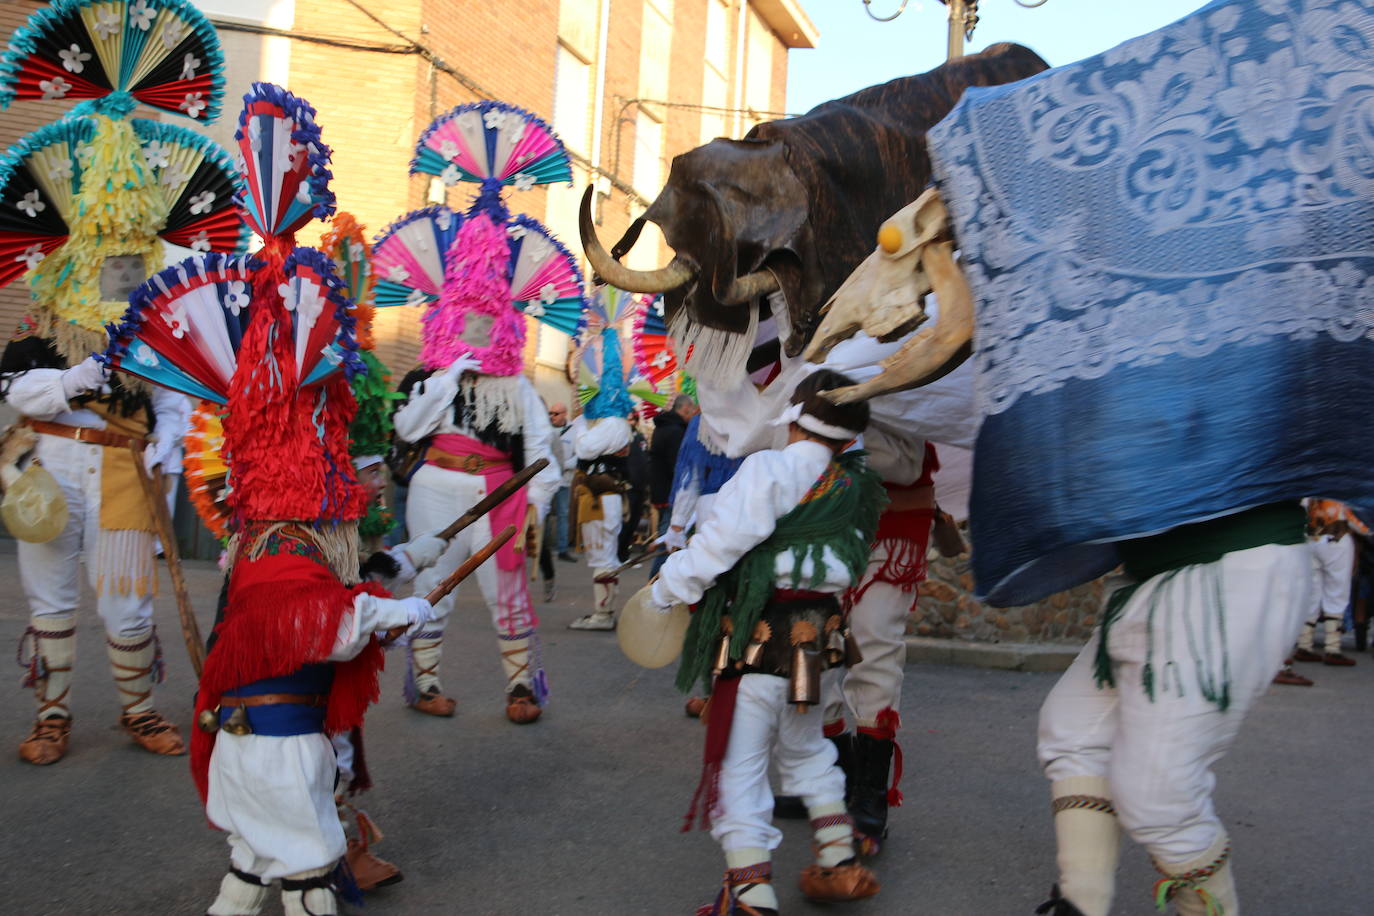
(484, 261)
(607, 387)
(85, 201)
(370, 434)
(271, 336)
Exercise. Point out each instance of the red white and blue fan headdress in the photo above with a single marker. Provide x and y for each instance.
(432, 256)
(655, 354)
(271, 336)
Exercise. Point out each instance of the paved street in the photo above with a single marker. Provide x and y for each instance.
(579, 814)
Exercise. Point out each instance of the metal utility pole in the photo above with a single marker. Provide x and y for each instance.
(963, 17)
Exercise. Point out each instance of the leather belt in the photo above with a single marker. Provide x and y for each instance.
(472, 464)
(276, 699)
(84, 434)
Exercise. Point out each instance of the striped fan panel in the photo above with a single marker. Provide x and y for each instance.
(408, 257)
(200, 183)
(492, 140)
(546, 282)
(316, 303)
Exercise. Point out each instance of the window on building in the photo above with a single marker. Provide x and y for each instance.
(648, 168)
(758, 70)
(572, 100)
(715, 81)
(655, 49)
(578, 23)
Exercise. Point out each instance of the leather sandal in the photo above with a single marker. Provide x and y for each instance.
(434, 703)
(47, 743)
(521, 707)
(847, 881)
(153, 733)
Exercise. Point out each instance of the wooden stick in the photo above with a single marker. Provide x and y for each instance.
(631, 563)
(154, 492)
(468, 567)
(493, 499)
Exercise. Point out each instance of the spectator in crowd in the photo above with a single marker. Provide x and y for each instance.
(558, 417)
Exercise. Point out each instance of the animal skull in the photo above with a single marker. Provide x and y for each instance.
(884, 298)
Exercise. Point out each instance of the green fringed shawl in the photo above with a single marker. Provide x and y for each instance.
(370, 432)
(839, 512)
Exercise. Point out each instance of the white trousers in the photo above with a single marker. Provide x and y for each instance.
(878, 624)
(601, 539)
(767, 728)
(275, 797)
(50, 573)
(1157, 753)
(437, 497)
(1335, 565)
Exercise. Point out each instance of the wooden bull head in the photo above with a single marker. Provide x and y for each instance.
(793, 206)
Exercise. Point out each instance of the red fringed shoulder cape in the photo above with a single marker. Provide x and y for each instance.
(283, 612)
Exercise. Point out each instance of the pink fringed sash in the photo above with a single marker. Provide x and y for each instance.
(510, 512)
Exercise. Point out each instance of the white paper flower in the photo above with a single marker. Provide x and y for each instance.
(201, 241)
(84, 153)
(548, 294)
(155, 154)
(174, 175)
(516, 231)
(523, 181)
(74, 59)
(534, 310)
(176, 320)
(141, 16)
(255, 134)
(60, 170)
(31, 205)
(444, 218)
(303, 193)
(661, 360)
(356, 251)
(448, 149)
(397, 274)
(54, 88)
(516, 132)
(416, 297)
(236, 297)
(493, 118)
(145, 356)
(449, 176)
(202, 202)
(193, 104)
(658, 306)
(31, 256)
(106, 23)
(189, 65)
(537, 247)
(172, 33)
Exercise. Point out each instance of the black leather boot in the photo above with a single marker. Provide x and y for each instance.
(872, 765)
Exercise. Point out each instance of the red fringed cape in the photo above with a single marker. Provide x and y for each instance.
(283, 612)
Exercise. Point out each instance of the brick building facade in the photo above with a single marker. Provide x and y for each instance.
(628, 84)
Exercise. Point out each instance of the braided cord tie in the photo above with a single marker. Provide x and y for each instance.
(35, 665)
(747, 877)
(1167, 887)
(1085, 802)
(831, 820)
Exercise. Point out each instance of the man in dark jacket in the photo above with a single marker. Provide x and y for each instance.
(669, 428)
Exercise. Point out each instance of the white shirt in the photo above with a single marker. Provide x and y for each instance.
(429, 411)
(592, 439)
(767, 486)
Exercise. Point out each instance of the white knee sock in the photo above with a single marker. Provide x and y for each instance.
(1333, 636)
(53, 652)
(761, 894)
(238, 897)
(1203, 886)
(136, 664)
(1089, 840)
(425, 653)
(833, 833)
(1305, 637)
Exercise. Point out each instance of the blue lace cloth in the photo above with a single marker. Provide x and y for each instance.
(1170, 246)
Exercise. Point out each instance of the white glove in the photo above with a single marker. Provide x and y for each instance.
(660, 603)
(674, 538)
(465, 363)
(86, 376)
(155, 453)
(418, 613)
(425, 550)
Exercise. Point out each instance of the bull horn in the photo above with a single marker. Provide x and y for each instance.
(933, 352)
(617, 274)
(744, 290)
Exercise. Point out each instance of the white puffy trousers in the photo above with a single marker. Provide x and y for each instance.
(601, 539)
(437, 497)
(49, 572)
(1334, 561)
(766, 727)
(1157, 754)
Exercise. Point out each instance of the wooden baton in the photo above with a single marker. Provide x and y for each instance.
(493, 499)
(631, 563)
(468, 567)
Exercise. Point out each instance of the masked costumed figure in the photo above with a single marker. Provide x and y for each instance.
(86, 204)
(480, 273)
(1172, 333)
(790, 532)
(601, 438)
(294, 658)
